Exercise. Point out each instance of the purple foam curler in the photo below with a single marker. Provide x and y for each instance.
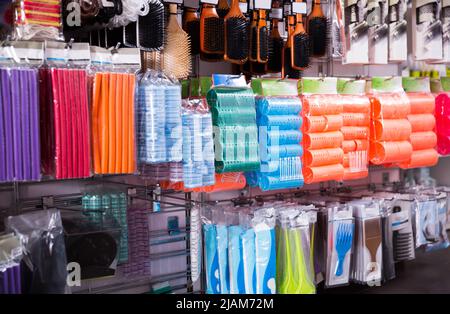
(17, 279)
(4, 281)
(17, 134)
(2, 140)
(25, 123)
(11, 281)
(6, 101)
(34, 125)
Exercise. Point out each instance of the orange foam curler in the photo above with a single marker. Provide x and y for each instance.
(227, 182)
(355, 119)
(391, 130)
(421, 158)
(423, 140)
(319, 105)
(119, 124)
(349, 175)
(355, 145)
(323, 123)
(356, 103)
(389, 106)
(126, 125)
(346, 161)
(321, 157)
(96, 104)
(104, 131)
(422, 122)
(324, 173)
(131, 121)
(355, 132)
(112, 122)
(322, 140)
(390, 152)
(421, 102)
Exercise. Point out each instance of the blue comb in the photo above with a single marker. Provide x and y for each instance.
(344, 239)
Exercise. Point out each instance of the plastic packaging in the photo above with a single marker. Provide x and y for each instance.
(442, 113)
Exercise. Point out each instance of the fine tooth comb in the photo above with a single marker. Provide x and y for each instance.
(191, 25)
(176, 57)
(223, 8)
(276, 43)
(211, 31)
(262, 38)
(300, 44)
(151, 26)
(287, 70)
(318, 30)
(236, 35)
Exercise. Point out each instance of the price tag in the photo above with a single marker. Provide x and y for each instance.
(276, 13)
(287, 9)
(263, 4)
(214, 2)
(174, 1)
(299, 7)
(243, 6)
(194, 4)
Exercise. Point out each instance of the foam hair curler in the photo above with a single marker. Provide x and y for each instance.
(323, 173)
(391, 130)
(421, 158)
(317, 105)
(323, 123)
(322, 157)
(390, 152)
(423, 140)
(389, 106)
(355, 132)
(422, 122)
(322, 140)
(355, 119)
(421, 102)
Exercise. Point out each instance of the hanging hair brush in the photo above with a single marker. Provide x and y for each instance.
(300, 45)
(211, 31)
(276, 43)
(253, 33)
(318, 30)
(176, 57)
(191, 25)
(151, 26)
(236, 35)
(287, 70)
(223, 8)
(262, 38)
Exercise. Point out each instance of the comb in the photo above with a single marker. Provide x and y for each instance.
(318, 30)
(191, 25)
(275, 46)
(300, 45)
(344, 240)
(176, 57)
(211, 31)
(372, 239)
(236, 35)
(287, 70)
(151, 26)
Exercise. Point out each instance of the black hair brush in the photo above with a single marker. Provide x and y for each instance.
(236, 35)
(287, 70)
(191, 25)
(151, 27)
(211, 31)
(300, 45)
(318, 30)
(275, 46)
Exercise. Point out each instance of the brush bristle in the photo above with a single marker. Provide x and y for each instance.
(263, 44)
(258, 68)
(318, 30)
(275, 52)
(130, 35)
(253, 43)
(176, 57)
(214, 34)
(151, 27)
(237, 38)
(193, 30)
(288, 70)
(301, 50)
(211, 57)
(222, 12)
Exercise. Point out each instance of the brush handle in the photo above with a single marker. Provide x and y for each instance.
(235, 10)
(340, 266)
(317, 10)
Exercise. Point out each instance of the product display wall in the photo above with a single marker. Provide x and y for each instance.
(277, 147)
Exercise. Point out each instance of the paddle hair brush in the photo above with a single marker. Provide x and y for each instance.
(262, 38)
(176, 57)
(151, 27)
(191, 25)
(300, 45)
(211, 31)
(276, 43)
(236, 35)
(318, 30)
(287, 70)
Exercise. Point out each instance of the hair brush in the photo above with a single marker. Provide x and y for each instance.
(191, 25)
(287, 70)
(151, 26)
(211, 31)
(262, 38)
(176, 57)
(318, 30)
(300, 45)
(276, 43)
(236, 35)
